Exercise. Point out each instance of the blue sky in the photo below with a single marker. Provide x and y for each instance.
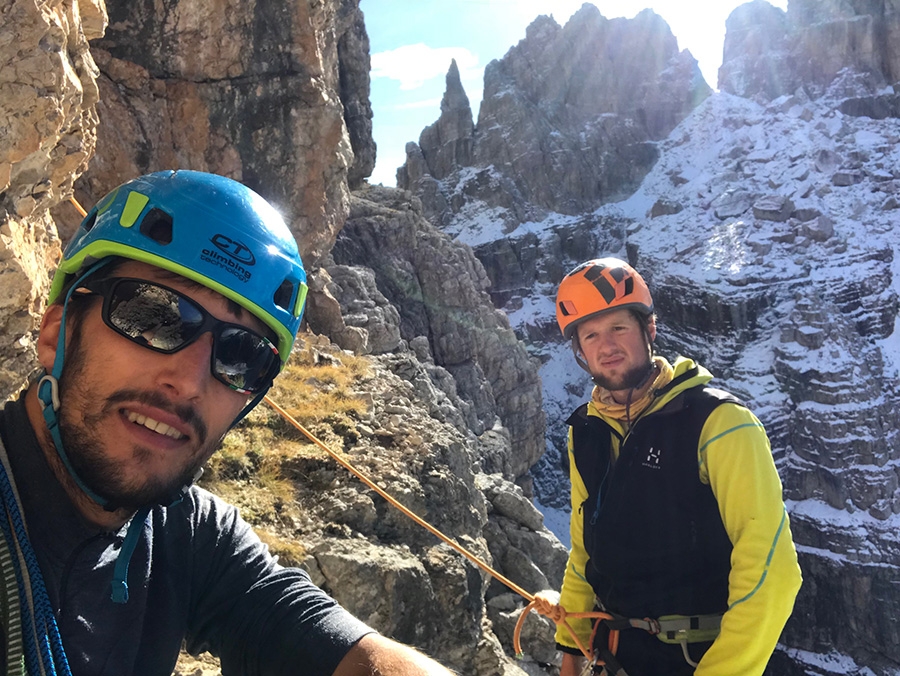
(413, 41)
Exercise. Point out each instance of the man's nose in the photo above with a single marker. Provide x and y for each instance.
(187, 372)
(608, 341)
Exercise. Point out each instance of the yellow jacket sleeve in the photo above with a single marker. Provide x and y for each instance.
(576, 594)
(736, 460)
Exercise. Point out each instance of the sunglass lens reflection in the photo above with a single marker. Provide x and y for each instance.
(153, 315)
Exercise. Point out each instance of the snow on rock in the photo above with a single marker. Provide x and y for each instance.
(777, 270)
(766, 227)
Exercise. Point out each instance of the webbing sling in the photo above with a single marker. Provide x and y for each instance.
(672, 628)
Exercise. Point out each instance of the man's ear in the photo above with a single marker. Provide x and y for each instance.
(48, 335)
(651, 327)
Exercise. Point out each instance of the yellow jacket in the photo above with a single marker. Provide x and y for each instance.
(734, 458)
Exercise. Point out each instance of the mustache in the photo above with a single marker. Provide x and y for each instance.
(185, 412)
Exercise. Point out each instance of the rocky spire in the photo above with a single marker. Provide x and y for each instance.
(568, 121)
(448, 143)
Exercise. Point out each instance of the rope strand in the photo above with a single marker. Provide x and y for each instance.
(78, 206)
(538, 603)
(43, 645)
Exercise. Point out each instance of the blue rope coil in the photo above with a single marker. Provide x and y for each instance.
(44, 653)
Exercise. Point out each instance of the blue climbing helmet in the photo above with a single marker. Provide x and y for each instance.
(207, 228)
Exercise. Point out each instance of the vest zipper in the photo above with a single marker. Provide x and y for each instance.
(622, 441)
(597, 506)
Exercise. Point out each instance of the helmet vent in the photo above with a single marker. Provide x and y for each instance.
(283, 295)
(157, 225)
(89, 221)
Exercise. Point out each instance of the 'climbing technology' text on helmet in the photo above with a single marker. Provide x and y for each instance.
(598, 286)
(207, 228)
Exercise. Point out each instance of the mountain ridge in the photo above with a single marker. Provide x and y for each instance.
(767, 229)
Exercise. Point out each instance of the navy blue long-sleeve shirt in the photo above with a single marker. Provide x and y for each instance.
(198, 573)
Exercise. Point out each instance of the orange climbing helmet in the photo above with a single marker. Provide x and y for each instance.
(597, 286)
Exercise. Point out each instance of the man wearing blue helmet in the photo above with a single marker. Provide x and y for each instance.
(175, 306)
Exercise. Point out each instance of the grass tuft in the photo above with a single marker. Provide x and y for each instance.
(289, 552)
(260, 460)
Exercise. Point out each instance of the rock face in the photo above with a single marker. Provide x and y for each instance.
(769, 52)
(272, 94)
(414, 439)
(582, 103)
(353, 71)
(48, 117)
(438, 287)
(777, 271)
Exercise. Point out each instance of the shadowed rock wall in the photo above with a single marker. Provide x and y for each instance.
(769, 52)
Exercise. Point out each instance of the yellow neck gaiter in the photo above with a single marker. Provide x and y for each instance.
(640, 398)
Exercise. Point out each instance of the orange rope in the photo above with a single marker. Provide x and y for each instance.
(558, 614)
(78, 206)
(539, 604)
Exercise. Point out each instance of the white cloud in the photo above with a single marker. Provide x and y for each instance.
(425, 103)
(414, 65)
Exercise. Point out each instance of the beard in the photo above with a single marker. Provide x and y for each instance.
(631, 379)
(83, 412)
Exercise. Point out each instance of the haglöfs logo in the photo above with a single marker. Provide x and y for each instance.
(652, 460)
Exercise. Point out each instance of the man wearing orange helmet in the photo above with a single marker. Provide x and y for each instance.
(678, 527)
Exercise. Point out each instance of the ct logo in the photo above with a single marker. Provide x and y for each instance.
(234, 249)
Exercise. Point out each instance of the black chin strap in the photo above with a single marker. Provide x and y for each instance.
(651, 369)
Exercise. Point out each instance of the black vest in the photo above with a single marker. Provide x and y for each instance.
(652, 530)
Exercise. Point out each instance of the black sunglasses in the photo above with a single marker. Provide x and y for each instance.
(165, 320)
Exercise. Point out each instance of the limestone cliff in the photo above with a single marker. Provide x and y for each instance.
(769, 52)
(276, 95)
(48, 118)
(249, 90)
(439, 289)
